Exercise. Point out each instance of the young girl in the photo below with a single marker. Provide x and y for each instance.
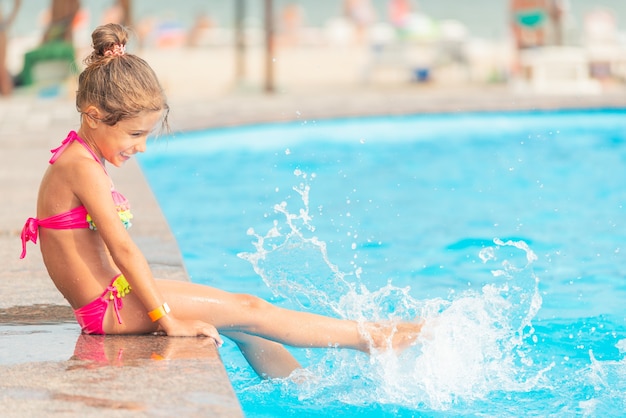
(92, 260)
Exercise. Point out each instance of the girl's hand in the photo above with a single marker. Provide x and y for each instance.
(191, 328)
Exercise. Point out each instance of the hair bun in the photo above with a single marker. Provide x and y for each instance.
(107, 40)
(120, 85)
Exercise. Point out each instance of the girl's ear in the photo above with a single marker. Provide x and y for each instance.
(92, 116)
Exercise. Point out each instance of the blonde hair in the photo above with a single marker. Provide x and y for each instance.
(121, 85)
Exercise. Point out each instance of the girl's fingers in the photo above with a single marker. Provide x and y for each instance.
(211, 332)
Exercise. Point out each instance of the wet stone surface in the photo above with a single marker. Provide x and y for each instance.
(34, 314)
(53, 370)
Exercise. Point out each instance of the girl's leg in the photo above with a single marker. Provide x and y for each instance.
(254, 316)
(259, 328)
(268, 358)
(230, 312)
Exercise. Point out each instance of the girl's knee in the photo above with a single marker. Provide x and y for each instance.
(252, 303)
(255, 312)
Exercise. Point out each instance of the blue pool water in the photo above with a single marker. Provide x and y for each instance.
(502, 230)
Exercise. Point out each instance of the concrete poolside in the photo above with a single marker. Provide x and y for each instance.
(48, 368)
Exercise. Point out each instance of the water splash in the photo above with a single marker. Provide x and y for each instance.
(475, 343)
(293, 265)
(473, 346)
(607, 380)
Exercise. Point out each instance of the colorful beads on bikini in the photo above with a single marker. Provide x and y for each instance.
(125, 217)
(122, 286)
(124, 214)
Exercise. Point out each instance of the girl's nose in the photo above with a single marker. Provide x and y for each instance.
(141, 147)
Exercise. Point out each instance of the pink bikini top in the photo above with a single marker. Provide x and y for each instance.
(77, 217)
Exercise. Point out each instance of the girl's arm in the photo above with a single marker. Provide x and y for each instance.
(93, 188)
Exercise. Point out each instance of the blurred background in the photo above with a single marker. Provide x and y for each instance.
(216, 47)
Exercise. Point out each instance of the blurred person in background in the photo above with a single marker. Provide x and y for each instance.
(6, 81)
(57, 43)
(291, 21)
(60, 26)
(399, 12)
(528, 22)
(361, 14)
(119, 12)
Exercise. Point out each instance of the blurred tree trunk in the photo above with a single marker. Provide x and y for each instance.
(62, 14)
(240, 42)
(269, 46)
(6, 82)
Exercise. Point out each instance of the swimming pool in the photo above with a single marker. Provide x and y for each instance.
(503, 230)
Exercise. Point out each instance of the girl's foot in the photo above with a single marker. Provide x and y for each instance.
(384, 336)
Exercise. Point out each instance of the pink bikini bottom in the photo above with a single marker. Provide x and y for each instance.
(91, 316)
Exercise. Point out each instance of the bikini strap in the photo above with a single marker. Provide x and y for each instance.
(30, 232)
(74, 218)
(73, 136)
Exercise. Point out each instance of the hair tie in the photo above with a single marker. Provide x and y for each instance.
(115, 51)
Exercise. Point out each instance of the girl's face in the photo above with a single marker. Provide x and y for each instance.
(121, 141)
